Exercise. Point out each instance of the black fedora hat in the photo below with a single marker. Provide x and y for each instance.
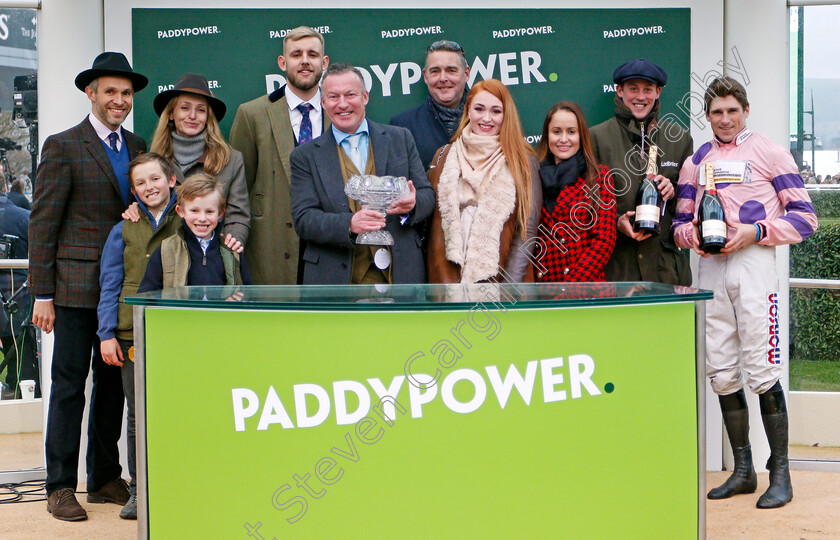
(191, 83)
(114, 64)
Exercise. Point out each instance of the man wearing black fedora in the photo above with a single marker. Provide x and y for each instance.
(81, 190)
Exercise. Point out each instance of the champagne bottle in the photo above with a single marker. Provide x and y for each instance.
(649, 201)
(712, 218)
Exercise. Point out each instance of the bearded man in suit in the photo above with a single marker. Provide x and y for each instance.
(80, 191)
(323, 215)
(266, 130)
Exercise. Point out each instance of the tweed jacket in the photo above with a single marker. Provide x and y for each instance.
(76, 202)
(578, 236)
(262, 131)
(322, 213)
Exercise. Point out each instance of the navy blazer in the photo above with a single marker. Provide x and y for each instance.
(321, 211)
(423, 123)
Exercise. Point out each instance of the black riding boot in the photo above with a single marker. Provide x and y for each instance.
(737, 422)
(775, 418)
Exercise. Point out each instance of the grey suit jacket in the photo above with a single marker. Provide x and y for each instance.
(321, 211)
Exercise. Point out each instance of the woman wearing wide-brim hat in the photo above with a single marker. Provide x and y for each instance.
(188, 134)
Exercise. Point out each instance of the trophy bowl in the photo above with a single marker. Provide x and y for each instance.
(376, 193)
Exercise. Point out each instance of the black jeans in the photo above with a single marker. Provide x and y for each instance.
(75, 342)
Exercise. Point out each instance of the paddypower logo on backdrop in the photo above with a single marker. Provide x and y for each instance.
(164, 87)
(512, 68)
(519, 32)
(280, 34)
(188, 32)
(613, 33)
(411, 32)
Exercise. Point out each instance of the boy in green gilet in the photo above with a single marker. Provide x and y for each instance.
(123, 265)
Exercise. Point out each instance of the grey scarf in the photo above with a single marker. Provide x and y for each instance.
(187, 150)
(449, 117)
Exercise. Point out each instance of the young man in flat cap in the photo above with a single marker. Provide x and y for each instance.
(81, 190)
(622, 143)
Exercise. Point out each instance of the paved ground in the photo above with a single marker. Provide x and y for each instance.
(814, 514)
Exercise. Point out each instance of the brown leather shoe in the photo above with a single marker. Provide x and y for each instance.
(115, 491)
(62, 504)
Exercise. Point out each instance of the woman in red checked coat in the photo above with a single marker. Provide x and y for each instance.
(577, 224)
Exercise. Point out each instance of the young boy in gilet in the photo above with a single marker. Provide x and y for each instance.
(124, 257)
(195, 255)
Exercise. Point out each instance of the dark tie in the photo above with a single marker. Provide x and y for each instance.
(305, 134)
(112, 140)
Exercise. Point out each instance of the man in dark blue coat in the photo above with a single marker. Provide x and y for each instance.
(18, 337)
(433, 122)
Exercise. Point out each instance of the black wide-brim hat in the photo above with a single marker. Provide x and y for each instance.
(640, 69)
(191, 83)
(113, 64)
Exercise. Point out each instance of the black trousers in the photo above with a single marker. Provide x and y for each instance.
(75, 343)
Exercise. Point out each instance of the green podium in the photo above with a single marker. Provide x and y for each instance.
(421, 411)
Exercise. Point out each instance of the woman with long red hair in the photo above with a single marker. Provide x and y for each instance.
(488, 195)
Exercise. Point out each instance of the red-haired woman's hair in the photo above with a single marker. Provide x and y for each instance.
(517, 152)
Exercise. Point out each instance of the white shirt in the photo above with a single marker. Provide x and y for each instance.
(205, 243)
(102, 131)
(315, 115)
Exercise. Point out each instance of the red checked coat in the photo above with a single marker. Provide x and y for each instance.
(577, 238)
(76, 202)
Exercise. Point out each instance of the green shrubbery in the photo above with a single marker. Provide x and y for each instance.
(815, 313)
(826, 203)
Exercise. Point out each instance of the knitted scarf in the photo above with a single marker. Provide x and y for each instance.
(555, 177)
(449, 117)
(188, 150)
(476, 180)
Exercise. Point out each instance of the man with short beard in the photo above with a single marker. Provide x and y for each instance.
(266, 130)
(81, 189)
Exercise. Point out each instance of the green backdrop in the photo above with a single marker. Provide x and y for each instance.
(619, 460)
(576, 51)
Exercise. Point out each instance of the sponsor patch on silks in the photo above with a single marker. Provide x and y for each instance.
(729, 172)
(774, 356)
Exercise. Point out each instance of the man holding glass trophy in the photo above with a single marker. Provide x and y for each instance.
(379, 167)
